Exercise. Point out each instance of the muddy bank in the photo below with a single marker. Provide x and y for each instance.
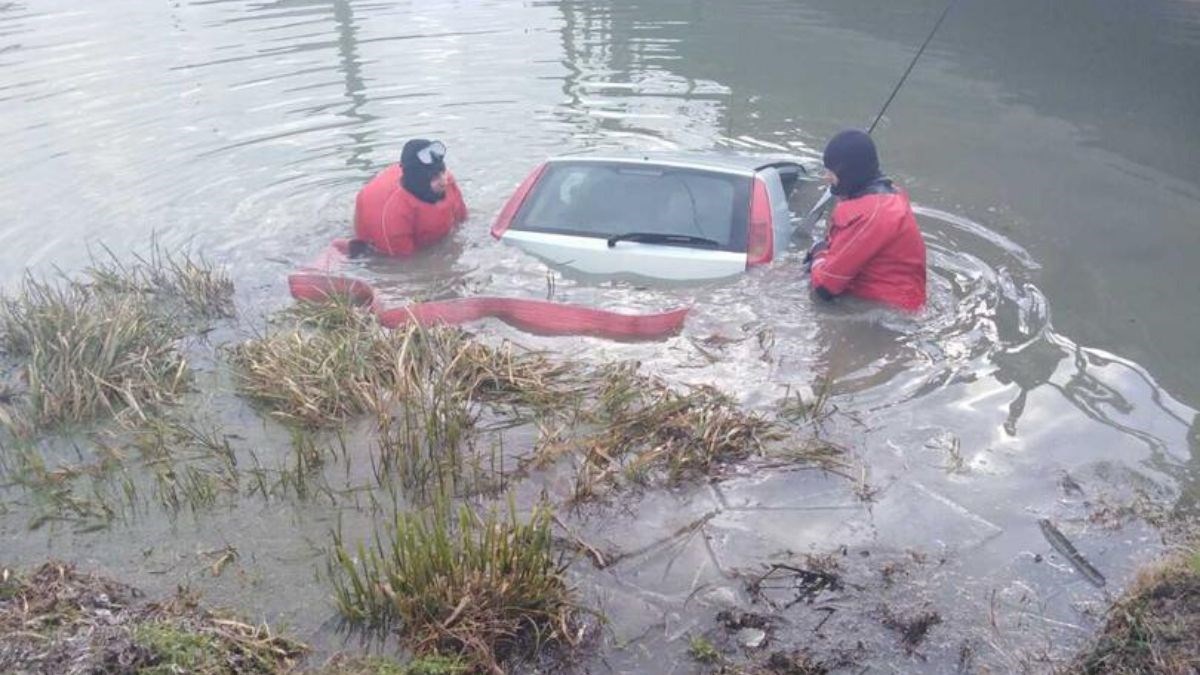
(61, 620)
(1155, 626)
(57, 619)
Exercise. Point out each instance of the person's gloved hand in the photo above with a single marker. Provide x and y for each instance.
(813, 252)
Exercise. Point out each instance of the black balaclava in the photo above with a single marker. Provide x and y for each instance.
(417, 175)
(851, 155)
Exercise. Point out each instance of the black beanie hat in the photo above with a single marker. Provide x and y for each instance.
(417, 174)
(851, 155)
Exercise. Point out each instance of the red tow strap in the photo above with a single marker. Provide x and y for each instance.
(316, 283)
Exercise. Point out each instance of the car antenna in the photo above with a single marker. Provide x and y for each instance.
(819, 208)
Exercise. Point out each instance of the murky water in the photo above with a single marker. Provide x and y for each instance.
(1059, 189)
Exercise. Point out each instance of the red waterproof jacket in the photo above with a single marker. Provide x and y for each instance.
(875, 251)
(396, 223)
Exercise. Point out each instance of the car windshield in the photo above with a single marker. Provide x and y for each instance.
(598, 199)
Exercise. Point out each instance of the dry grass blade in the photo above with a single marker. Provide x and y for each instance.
(502, 375)
(348, 364)
(318, 378)
(646, 427)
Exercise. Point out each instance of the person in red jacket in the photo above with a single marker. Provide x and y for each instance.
(409, 205)
(873, 249)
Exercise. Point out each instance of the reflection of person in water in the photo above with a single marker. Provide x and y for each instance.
(874, 249)
(1028, 367)
(409, 205)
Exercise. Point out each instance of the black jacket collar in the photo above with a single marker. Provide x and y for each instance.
(879, 186)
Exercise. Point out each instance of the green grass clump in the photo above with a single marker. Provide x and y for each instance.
(203, 644)
(702, 649)
(435, 665)
(421, 441)
(84, 352)
(174, 650)
(105, 342)
(482, 588)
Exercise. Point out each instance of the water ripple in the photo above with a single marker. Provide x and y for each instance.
(246, 128)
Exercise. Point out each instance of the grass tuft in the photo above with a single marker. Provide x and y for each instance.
(480, 588)
(107, 342)
(85, 353)
(173, 650)
(702, 649)
(316, 378)
(645, 427)
(1153, 627)
(181, 282)
(344, 364)
(333, 313)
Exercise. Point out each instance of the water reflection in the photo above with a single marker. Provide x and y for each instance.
(360, 137)
(1062, 137)
(253, 124)
(1028, 367)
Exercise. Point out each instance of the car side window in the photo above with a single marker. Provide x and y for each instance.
(559, 197)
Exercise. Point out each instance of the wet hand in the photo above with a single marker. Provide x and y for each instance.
(358, 248)
(813, 252)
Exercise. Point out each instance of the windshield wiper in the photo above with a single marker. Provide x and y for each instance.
(659, 238)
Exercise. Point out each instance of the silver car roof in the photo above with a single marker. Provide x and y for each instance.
(710, 161)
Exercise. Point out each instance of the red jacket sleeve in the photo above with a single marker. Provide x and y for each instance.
(850, 247)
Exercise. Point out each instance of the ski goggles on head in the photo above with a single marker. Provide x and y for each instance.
(432, 153)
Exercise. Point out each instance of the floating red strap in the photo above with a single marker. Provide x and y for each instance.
(539, 316)
(317, 287)
(533, 316)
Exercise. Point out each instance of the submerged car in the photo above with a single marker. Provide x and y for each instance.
(670, 217)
